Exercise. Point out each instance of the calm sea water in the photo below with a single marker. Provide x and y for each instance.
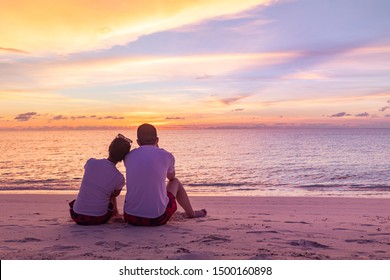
(315, 162)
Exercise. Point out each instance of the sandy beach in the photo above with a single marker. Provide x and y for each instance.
(37, 226)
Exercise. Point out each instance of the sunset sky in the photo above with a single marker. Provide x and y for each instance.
(195, 63)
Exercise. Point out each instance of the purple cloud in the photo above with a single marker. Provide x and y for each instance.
(231, 100)
(59, 117)
(114, 117)
(385, 108)
(174, 118)
(340, 115)
(78, 117)
(365, 114)
(92, 117)
(25, 117)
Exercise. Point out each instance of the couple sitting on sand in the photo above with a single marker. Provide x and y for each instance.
(149, 200)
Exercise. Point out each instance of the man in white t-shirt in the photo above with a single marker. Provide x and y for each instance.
(149, 200)
(102, 183)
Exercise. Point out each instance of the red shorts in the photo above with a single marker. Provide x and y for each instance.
(86, 220)
(162, 220)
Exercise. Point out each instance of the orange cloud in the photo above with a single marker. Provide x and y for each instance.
(68, 26)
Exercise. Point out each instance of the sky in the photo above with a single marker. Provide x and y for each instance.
(194, 63)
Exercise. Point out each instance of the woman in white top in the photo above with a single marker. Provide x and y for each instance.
(102, 183)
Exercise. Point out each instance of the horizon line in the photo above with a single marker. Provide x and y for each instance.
(195, 127)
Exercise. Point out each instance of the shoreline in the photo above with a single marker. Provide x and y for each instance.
(219, 194)
(38, 226)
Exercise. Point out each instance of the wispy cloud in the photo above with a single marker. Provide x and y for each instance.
(120, 69)
(302, 75)
(365, 114)
(59, 117)
(231, 100)
(92, 25)
(25, 116)
(203, 77)
(13, 50)
(340, 115)
(62, 117)
(385, 108)
(114, 117)
(175, 118)
(215, 60)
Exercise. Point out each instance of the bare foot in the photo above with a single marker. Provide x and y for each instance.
(198, 214)
(117, 218)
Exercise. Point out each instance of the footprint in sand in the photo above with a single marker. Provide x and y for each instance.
(360, 241)
(262, 231)
(61, 248)
(192, 256)
(378, 234)
(294, 222)
(24, 240)
(114, 244)
(261, 257)
(213, 239)
(183, 250)
(308, 244)
(357, 230)
(48, 220)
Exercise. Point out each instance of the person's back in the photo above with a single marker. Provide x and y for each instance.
(149, 200)
(102, 183)
(146, 171)
(101, 178)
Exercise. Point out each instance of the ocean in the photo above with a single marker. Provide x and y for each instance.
(265, 161)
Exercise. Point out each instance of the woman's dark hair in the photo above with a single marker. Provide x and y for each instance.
(118, 149)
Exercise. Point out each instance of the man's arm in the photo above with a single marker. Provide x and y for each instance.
(171, 170)
(116, 193)
(171, 175)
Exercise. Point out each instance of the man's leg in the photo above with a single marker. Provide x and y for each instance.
(176, 188)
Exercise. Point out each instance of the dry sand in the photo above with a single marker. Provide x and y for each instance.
(37, 226)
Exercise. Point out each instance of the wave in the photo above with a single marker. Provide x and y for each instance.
(352, 187)
(241, 187)
(41, 188)
(227, 184)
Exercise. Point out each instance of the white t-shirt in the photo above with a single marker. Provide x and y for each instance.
(101, 178)
(146, 172)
